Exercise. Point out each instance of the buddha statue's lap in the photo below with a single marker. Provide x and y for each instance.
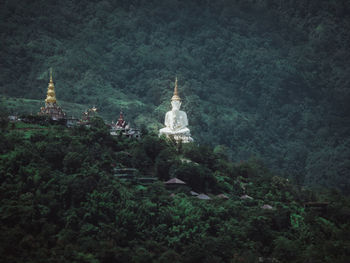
(167, 130)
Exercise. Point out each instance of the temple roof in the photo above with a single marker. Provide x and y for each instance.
(246, 197)
(203, 197)
(268, 207)
(121, 122)
(222, 196)
(175, 181)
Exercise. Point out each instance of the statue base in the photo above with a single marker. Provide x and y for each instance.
(184, 136)
(181, 138)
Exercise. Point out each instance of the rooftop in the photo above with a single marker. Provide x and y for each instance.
(175, 181)
(203, 197)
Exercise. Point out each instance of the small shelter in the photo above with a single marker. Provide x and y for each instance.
(246, 197)
(267, 207)
(126, 173)
(203, 197)
(194, 193)
(175, 183)
(12, 118)
(71, 121)
(222, 196)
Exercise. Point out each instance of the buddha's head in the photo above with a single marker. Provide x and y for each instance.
(175, 105)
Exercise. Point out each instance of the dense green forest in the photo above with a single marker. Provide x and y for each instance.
(62, 202)
(266, 78)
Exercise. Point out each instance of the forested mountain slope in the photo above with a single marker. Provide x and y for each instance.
(62, 200)
(265, 78)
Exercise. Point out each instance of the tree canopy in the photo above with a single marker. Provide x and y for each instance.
(62, 201)
(266, 78)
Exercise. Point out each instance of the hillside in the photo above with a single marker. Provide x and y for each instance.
(62, 201)
(20, 106)
(265, 78)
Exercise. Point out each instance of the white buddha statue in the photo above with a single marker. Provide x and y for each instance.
(176, 121)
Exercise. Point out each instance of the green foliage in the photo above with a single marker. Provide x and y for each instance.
(61, 201)
(266, 78)
(197, 176)
(4, 121)
(163, 163)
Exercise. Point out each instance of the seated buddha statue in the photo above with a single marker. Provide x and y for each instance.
(176, 121)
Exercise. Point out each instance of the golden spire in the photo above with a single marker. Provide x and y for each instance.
(176, 93)
(51, 96)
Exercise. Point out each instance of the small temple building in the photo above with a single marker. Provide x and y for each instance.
(203, 197)
(174, 182)
(121, 127)
(121, 123)
(87, 115)
(51, 108)
(177, 185)
(176, 121)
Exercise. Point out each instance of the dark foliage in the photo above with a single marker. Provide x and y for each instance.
(61, 202)
(267, 78)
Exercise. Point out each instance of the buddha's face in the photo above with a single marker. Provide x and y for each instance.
(176, 104)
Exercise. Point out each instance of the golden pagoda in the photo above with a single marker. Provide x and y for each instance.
(51, 108)
(51, 96)
(176, 92)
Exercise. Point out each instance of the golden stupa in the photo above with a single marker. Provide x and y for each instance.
(176, 92)
(51, 96)
(51, 108)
